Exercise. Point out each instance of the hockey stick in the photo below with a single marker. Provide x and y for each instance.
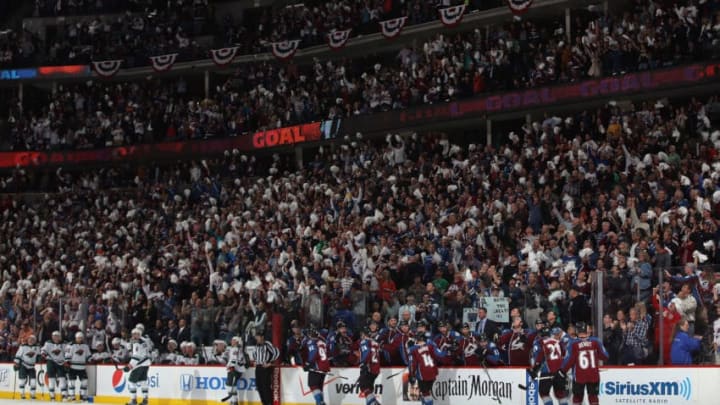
(41, 382)
(391, 376)
(328, 373)
(484, 366)
(15, 382)
(547, 377)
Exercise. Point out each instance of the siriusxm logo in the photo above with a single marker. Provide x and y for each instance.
(189, 382)
(682, 388)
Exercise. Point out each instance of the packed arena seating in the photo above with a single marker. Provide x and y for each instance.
(401, 229)
(267, 95)
(223, 244)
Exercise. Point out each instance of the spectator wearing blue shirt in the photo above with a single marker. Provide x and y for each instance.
(683, 345)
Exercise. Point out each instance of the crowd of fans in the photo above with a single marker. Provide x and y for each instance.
(520, 54)
(410, 228)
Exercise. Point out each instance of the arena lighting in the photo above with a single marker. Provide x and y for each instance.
(67, 70)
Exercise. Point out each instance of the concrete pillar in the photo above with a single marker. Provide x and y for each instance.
(207, 84)
(299, 157)
(568, 25)
(488, 135)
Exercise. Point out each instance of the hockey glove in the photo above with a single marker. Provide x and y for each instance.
(16, 367)
(561, 374)
(411, 380)
(126, 369)
(306, 367)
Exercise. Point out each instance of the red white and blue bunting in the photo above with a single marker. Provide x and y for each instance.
(223, 56)
(519, 7)
(162, 63)
(392, 28)
(338, 39)
(285, 49)
(451, 16)
(107, 68)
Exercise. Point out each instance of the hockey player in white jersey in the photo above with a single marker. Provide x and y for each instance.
(25, 359)
(53, 352)
(189, 354)
(140, 351)
(235, 360)
(172, 355)
(77, 354)
(120, 353)
(100, 354)
(217, 355)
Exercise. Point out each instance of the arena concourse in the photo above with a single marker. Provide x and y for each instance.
(482, 181)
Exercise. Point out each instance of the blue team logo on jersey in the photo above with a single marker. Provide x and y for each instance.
(118, 381)
(678, 388)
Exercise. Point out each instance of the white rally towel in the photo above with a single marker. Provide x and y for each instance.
(338, 39)
(392, 28)
(519, 7)
(285, 49)
(162, 63)
(223, 56)
(107, 68)
(452, 16)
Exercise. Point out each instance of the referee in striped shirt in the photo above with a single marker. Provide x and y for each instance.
(265, 356)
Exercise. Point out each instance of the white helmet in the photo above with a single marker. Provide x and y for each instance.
(236, 339)
(141, 327)
(79, 335)
(32, 340)
(137, 332)
(116, 341)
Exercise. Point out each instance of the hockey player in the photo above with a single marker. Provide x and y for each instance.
(447, 340)
(423, 367)
(25, 359)
(515, 344)
(53, 352)
(546, 360)
(295, 344)
(140, 350)
(369, 366)
(172, 355)
(399, 345)
(317, 364)
(217, 355)
(120, 352)
(100, 355)
(235, 360)
(488, 353)
(468, 347)
(77, 355)
(341, 345)
(96, 335)
(583, 357)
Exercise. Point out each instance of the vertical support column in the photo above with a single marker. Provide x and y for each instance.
(299, 157)
(488, 134)
(207, 84)
(54, 88)
(605, 8)
(568, 25)
(20, 96)
(598, 303)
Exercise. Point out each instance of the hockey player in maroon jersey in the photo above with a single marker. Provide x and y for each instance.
(469, 347)
(423, 363)
(399, 344)
(583, 357)
(515, 344)
(316, 364)
(448, 340)
(385, 338)
(294, 344)
(546, 360)
(369, 366)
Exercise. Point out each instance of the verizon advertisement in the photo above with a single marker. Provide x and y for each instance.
(456, 386)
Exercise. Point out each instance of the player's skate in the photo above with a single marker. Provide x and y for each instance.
(145, 401)
(132, 402)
